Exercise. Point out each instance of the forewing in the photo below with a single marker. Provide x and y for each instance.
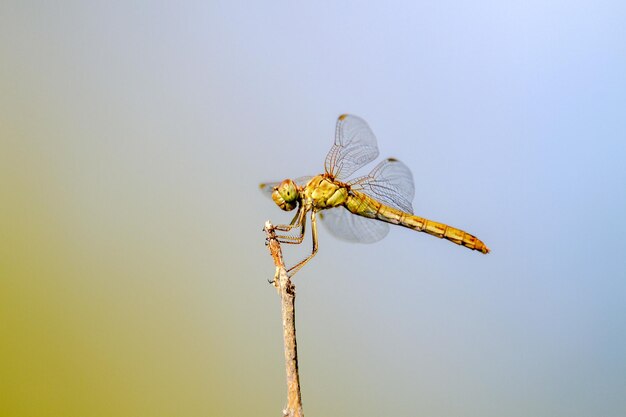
(347, 226)
(355, 146)
(267, 188)
(390, 182)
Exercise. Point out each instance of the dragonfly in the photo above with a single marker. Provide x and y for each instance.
(360, 209)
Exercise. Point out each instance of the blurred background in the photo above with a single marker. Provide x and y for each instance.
(133, 271)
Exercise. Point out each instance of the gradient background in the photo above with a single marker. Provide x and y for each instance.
(133, 275)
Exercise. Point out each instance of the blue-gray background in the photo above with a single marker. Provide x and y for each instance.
(132, 266)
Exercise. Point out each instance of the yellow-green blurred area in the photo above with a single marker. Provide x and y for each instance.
(111, 301)
(133, 275)
(108, 285)
(99, 313)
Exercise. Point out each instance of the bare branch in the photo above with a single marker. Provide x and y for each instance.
(287, 292)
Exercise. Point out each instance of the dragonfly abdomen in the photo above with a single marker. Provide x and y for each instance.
(368, 207)
(443, 231)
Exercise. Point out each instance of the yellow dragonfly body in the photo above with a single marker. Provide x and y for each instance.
(360, 209)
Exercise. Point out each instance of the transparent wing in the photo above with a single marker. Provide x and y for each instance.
(390, 182)
(347, 226)
(268, 187)
(355, 146)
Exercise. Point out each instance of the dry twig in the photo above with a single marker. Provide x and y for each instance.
(287, 293)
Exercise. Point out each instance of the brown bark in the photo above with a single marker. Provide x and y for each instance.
(287, 292)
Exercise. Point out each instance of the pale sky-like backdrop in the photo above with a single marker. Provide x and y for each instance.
(133, 271)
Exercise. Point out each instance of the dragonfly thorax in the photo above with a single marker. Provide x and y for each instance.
(323, 192)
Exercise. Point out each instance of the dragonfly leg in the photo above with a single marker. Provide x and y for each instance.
(295, 218)
(291, 271)
(295, 222)
(299, 220)
(294, 240)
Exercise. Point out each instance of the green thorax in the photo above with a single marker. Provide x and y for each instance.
(323, 192)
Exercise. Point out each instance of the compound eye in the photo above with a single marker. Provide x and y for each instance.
(280, 201)
(288, 191)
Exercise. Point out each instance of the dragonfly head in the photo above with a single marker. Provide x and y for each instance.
(286, 195)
